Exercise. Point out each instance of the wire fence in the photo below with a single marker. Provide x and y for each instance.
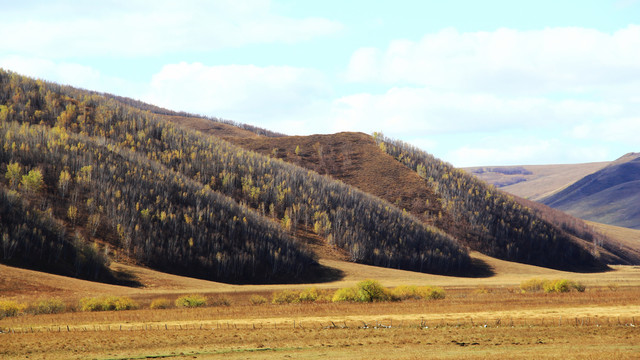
(423, 324)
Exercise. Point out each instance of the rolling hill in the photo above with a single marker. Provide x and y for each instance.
(535, 182)
(604, 192)
(131, 182)
(126, 182)
(358, 160)
(610, 195)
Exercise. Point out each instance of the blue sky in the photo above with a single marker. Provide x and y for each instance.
(472, 82)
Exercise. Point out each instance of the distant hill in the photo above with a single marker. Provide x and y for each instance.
(535, 182)
(610, 195)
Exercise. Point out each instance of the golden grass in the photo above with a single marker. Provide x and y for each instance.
(564, 322)
(501, 322)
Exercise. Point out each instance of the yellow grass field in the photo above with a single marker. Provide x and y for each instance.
(479, 318)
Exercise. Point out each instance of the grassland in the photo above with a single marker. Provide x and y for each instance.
(479, 318)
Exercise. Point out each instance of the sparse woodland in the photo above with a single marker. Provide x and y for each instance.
(116, 177)
(494, 223)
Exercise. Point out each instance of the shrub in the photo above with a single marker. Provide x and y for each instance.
(221, 301)
(532, 285)
(550, 286)
(431, 293)
(371, 290)
(11, 308)
(125, 303)
(309, 295)
(286, 297)
(345, 294)
(364, 291)
(160, 303)
(109, 303)
(579, 287)
(257, 300)
(404, 292)
(49, 306)
(191, 301)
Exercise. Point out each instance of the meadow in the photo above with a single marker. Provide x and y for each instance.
(478, 318)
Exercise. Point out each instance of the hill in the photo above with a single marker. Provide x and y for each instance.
(534, 182)
(118, 176)
(610, 195)
(357, 160)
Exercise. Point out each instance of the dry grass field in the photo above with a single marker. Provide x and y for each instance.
(479, 318)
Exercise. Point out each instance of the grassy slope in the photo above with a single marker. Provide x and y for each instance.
(609, 195)
(543, 181)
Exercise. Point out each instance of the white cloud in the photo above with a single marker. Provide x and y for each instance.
(568, 94)
(622, 130)
(280, 98)
(506, 61)
(408, 111)
(505, 149)
(132, 28)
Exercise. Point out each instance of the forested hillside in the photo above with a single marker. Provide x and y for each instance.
(182, 201)
(495, 223)
(481, 216)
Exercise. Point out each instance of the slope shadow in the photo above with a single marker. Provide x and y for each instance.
(125, 278)
(477, 269)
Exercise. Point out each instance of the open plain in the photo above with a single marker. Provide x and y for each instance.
(486, 317)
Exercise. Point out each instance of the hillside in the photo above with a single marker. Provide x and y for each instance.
(534, 182)
(118, 176)
(357, 160)
(610, 195)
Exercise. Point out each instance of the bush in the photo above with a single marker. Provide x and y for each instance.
(364, 291)
(345, 294)
(125, 303)
(551, 286)
(404, 292)
(257, 300)
(309, 295)
(221, 301)
(191, 301)
(11, 308)
(579, 287)
(532, 285)
(371, 290)
(49, 306)
(109, 303)
(431, 293)
(286, 297)
(160, 303)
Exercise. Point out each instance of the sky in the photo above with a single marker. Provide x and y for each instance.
(472, 82)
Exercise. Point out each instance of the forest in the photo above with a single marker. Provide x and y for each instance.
(497, 224)
(126, 183)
